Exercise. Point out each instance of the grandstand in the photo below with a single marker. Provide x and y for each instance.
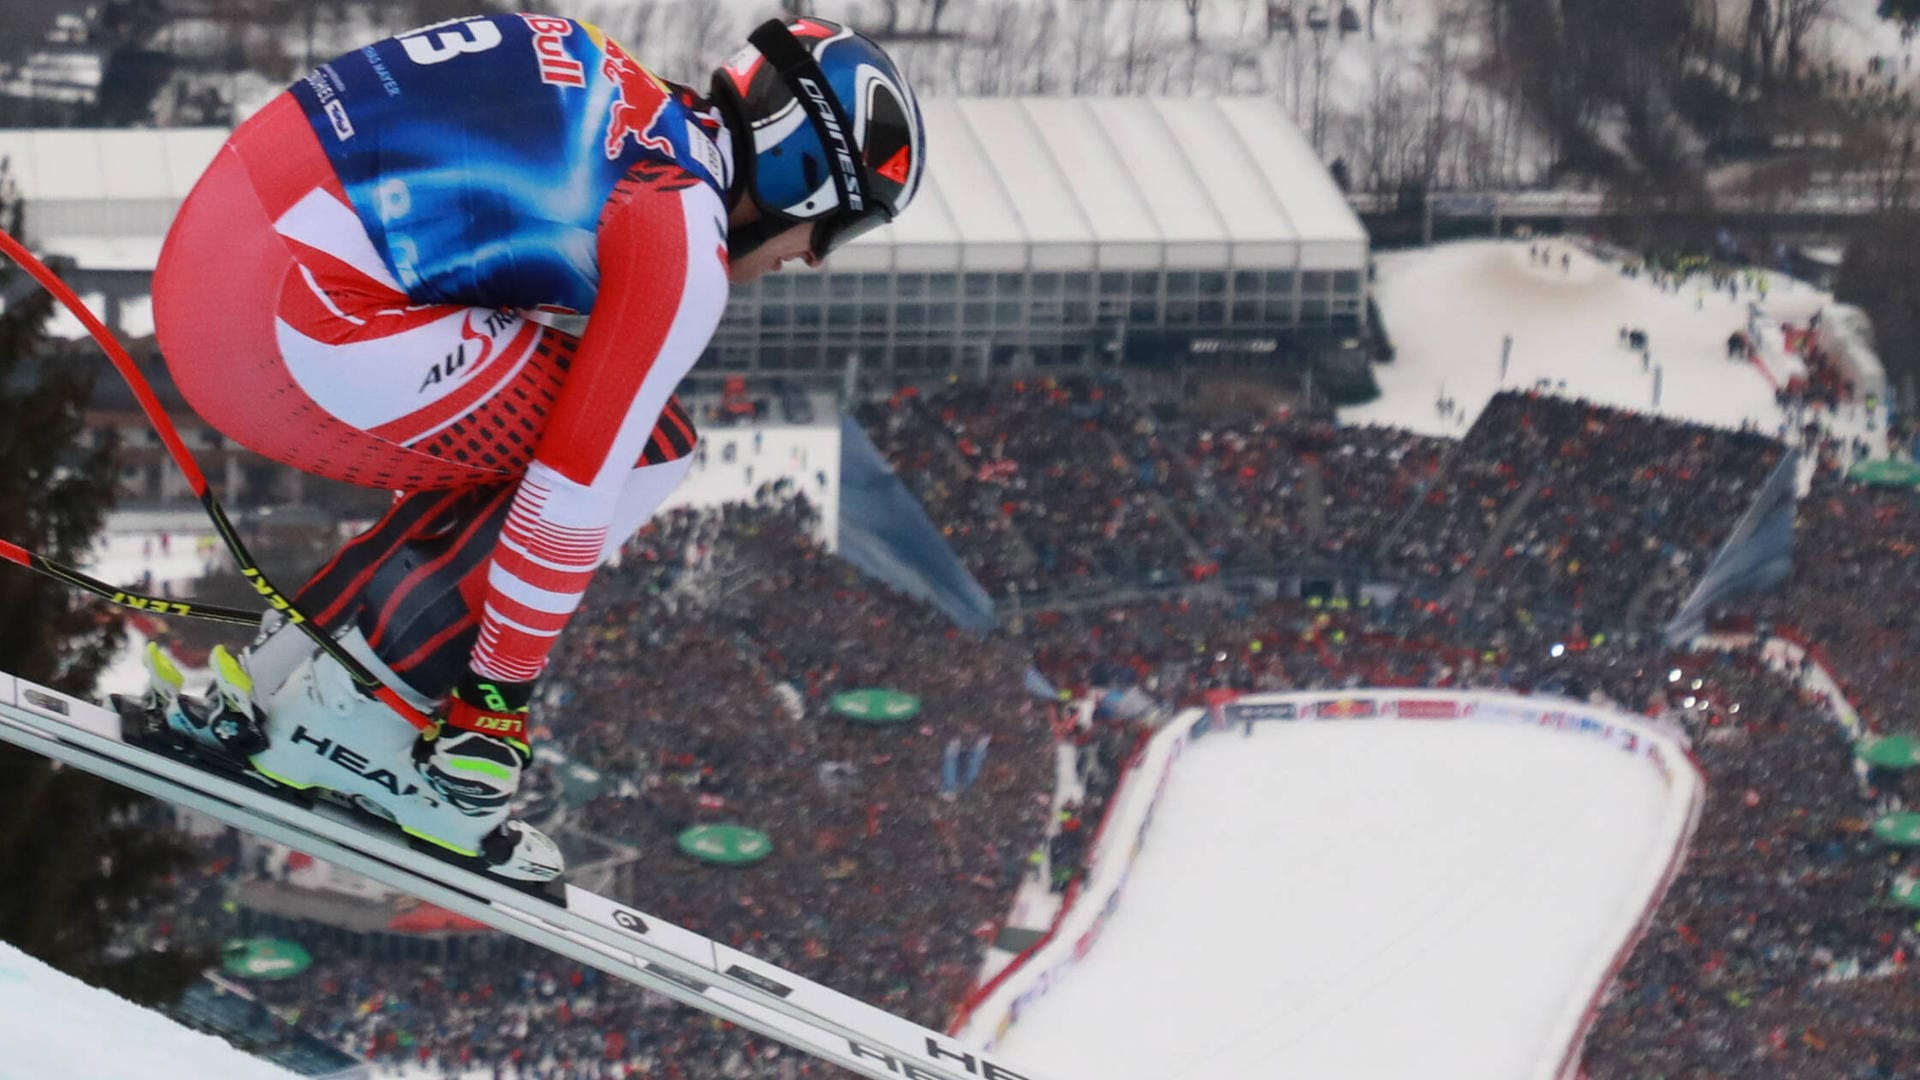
(1050, 489)
(1051, 232)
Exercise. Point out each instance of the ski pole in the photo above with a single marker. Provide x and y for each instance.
(190, 468)
(14, 553)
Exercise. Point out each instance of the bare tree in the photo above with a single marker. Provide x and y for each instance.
(1798, 19)
(1758, 43)
(1383, 148)
(953, 65)
(696, 37)
(635, 28)
(1043, 42)
(1881, 271)
(27, 24)
(1087, 64)
(996, 54)
(1140, 53)
(1440, 70)
(1373, 8)
(1193, 20)
(934, 9)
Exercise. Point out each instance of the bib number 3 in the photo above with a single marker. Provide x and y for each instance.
(444, 41)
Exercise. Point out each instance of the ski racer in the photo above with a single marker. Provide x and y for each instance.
(469, 264)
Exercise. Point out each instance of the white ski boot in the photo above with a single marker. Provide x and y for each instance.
(323, 732)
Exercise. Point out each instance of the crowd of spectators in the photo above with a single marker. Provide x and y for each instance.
(525, 1018)
(1548, 508)
(1622, 514)
(699, 673)
(1779, 919)
(1104, 743)
(1047, 456)
(1178, 649)
(1853, 591)
(698, 678)
(1648, 500)
(956, 491)
(1373, 475)
(851, 807)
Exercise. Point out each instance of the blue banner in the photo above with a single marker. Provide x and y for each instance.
(885, 532)
(1757, 556)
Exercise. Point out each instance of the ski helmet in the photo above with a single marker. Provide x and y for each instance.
(825, 130)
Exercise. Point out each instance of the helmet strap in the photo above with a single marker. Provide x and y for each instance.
(797, 66)
(852, 180)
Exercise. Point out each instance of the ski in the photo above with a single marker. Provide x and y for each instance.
(620, 940)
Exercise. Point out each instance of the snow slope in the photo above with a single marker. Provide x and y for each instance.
(58, 1027)
(1366, 900)
(1851, 34)
(1447, 309)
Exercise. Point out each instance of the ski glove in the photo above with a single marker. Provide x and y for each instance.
(489, 707)
(476, 758)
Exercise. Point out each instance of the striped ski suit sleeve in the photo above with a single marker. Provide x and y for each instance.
(663, 285)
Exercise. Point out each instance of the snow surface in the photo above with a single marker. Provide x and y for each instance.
(786, 452)
(121, 557)
(1365, 901)
(1851, 34)
(59, 1027)
(1447, 309)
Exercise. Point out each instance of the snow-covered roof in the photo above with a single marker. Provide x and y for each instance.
(1012, 184)
(106, 196)
(1116, 183)
(106, 163)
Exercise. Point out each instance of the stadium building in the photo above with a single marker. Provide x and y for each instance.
(1049, 232)
(1078, 231)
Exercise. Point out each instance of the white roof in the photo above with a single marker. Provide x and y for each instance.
(101, 163)
(1117, 183)
(106, 196)
(1045, 183)
(1326, 226)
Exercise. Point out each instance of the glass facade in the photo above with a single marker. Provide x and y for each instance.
(813, 322)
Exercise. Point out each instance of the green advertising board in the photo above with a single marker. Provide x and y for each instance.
(873, 706)
(726, 845)
(1886, 473)
(264, 958)
(1906, 891)
(1901, 829)
(1890, 751)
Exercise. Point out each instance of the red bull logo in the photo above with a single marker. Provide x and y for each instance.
(639, 99)
(557, 68)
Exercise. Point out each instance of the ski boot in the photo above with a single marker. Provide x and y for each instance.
(225, 723)
(323, 732)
